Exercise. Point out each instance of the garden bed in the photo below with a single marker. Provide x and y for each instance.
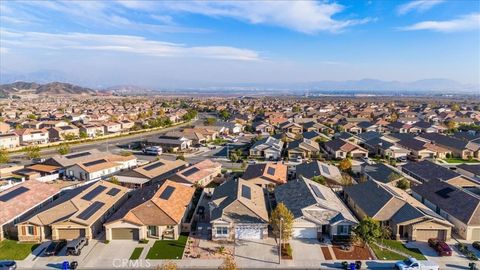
(397, 245)
(355, 252)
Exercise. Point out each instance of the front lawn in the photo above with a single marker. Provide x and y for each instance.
(397, 245)
(11, 250)
(385, 254)
(167, 249)
(136, 253)
(459, 160)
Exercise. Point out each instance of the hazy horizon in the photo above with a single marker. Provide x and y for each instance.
(209, 44)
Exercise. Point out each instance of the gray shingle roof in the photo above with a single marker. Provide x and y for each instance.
(427, 171)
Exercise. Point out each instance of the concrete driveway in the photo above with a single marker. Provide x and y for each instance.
(252, 250)
(36, 260)
(455, 261)
(306, 249)
(111, 255)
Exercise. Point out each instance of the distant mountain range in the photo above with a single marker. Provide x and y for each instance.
(53, 88)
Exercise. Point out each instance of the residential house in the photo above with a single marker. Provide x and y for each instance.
(151, 173)
(455, 204)
(172, 143)
(426, 171)
(266, 174)
(79, 212)
(303, 148)
(9, 141)
(394, 208)
(63, 132)
(459, 148)
(316, 209)
(100, 168)
(339, 148)
(112, 127)
(152, 212)
(22, 200)
(30, 136)
(238, 211)
(316, 168)
(200, 174)
(268, 148)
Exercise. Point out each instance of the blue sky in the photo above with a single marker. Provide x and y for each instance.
(192, 43)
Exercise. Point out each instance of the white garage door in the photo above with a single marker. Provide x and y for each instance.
(248, 233)
(304, 233)
(476, 234)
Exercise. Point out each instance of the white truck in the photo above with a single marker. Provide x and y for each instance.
(414, 264)
(153, 150)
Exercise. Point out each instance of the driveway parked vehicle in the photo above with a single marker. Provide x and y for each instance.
(55, 247)
(8, 265)
(441, 247)
(75, 246)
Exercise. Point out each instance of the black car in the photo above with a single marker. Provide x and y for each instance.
(8, 265)
(55, 247)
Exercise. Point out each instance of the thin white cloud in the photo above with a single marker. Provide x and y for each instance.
(121, 44)
(463, 23)
(418, 6)
(302, 16)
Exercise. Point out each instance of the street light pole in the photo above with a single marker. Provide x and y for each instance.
(280, 242)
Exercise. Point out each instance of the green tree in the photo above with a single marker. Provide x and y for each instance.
(368, 230)
(63, 149)
(455, 107)
(83, 135)
(319, 179)
(403, 184)
(224, 114)
(4, 157)
(282, 217)
(210, 121)
(181, 157)
(69, 136)
(32, 152)
(234, 157)
(32, 116)
(393, 176)
(114, 180)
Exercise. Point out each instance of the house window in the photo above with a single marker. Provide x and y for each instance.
(152, 230)
(343, 229)
(222, 231)
(30, 230)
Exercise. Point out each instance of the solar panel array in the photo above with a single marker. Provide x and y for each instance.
(167, 192)
(153, 166)
(317, 192)
(325, 169)
(271, 171)
(95, 162)
(14, 193)
(246, 192)
(78, 155)
(92, 209)
(94, 193)
(113, 191)
(444, 192)
(191, 171)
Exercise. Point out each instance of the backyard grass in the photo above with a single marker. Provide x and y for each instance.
(459, 160)
(397, 245)
(167, 249)
(11, 250)
(136, 253)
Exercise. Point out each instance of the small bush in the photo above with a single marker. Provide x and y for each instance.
(143, 241)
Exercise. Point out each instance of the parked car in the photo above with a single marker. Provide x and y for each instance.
(75, 246)
(55, 247)
(476, 245)
(8, 265)
(402, 159)
(441, 247)
(413, 264)
(153, 150)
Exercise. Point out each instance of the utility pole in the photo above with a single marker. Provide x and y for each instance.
(234, 240)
